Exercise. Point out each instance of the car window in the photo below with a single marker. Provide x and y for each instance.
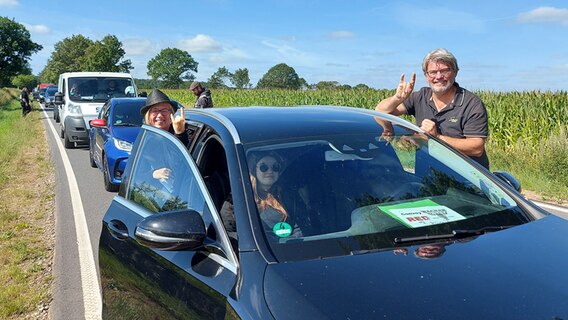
(99, 89)
(184, 189)
(51, 90)
(213, 166)
(105, 112)
(159, 192)
(127, 113)
(359, 191)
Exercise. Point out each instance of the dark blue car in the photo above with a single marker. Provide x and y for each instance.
(323, 213)
(111, 136)
(48, 99)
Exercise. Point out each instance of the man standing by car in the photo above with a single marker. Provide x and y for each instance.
(204, 99)
(25, 102)
(444, 109)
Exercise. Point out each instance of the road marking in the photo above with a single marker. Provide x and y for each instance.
(92, 300)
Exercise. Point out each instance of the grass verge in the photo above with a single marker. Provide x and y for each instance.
(27, 226)
(542, 170)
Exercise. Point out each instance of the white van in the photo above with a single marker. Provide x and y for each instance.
(81, 96)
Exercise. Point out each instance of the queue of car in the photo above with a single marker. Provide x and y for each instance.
(39, 92)
(378, 220)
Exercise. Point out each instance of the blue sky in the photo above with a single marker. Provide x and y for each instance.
(512, 45)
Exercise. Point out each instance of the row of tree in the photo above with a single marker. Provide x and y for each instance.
(16, 48)
(171, 68)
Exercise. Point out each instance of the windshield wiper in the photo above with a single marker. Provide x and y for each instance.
(456, 234)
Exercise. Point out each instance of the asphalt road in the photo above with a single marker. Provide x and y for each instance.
(76, 292)
(79, 212)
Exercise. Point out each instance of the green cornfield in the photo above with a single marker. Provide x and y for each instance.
(513, 117)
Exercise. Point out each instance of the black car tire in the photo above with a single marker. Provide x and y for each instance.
(109, 186)
(67, 143)
(61, 132)
(91, 159)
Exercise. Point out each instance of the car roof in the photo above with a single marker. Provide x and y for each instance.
(260, 123)
(96, 74)
(126, 99)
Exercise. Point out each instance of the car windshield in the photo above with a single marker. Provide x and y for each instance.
(127, 113)
(99, 89)
(51, 90)
(361, 191)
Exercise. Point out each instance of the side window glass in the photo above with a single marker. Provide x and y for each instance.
(106, 112)
(162, 179)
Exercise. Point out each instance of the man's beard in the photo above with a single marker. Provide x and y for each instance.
(441, 89)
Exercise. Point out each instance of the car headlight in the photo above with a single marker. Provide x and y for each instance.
(122, 145)
(74, 109)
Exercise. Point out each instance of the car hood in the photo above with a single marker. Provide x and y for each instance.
(125, 133)
(519, 273)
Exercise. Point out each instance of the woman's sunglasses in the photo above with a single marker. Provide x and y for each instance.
(263, 167)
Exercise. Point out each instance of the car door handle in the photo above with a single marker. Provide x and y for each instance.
(118, 229)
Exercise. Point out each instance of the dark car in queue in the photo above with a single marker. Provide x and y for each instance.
(111, 136)
(48, 97)
(382, 221)
(42, 87)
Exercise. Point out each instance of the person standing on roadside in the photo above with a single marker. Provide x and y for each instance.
(444, 109)
(25, 102)
(204, 99)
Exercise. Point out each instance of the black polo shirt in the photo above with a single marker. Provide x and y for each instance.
(465, 116)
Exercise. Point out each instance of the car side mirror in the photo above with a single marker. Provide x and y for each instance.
(98, 123)
(509, 179)
(175, 230)
(58, 98)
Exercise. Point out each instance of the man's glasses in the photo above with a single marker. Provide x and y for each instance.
(162, 111)
(263, 167)
(445, 72)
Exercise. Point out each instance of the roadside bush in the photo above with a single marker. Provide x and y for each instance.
(552, 156)
(7, 94)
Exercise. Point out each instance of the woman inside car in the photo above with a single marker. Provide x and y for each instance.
(271, 199)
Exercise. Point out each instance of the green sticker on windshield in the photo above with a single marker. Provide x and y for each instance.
(282, 229)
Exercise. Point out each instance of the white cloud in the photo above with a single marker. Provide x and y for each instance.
(200, 44)
(38, 28)
(9, 3)
(283, 49)
(229, 55)
(544, 14)
(341, 35)
(138, 47)
(290, 54)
